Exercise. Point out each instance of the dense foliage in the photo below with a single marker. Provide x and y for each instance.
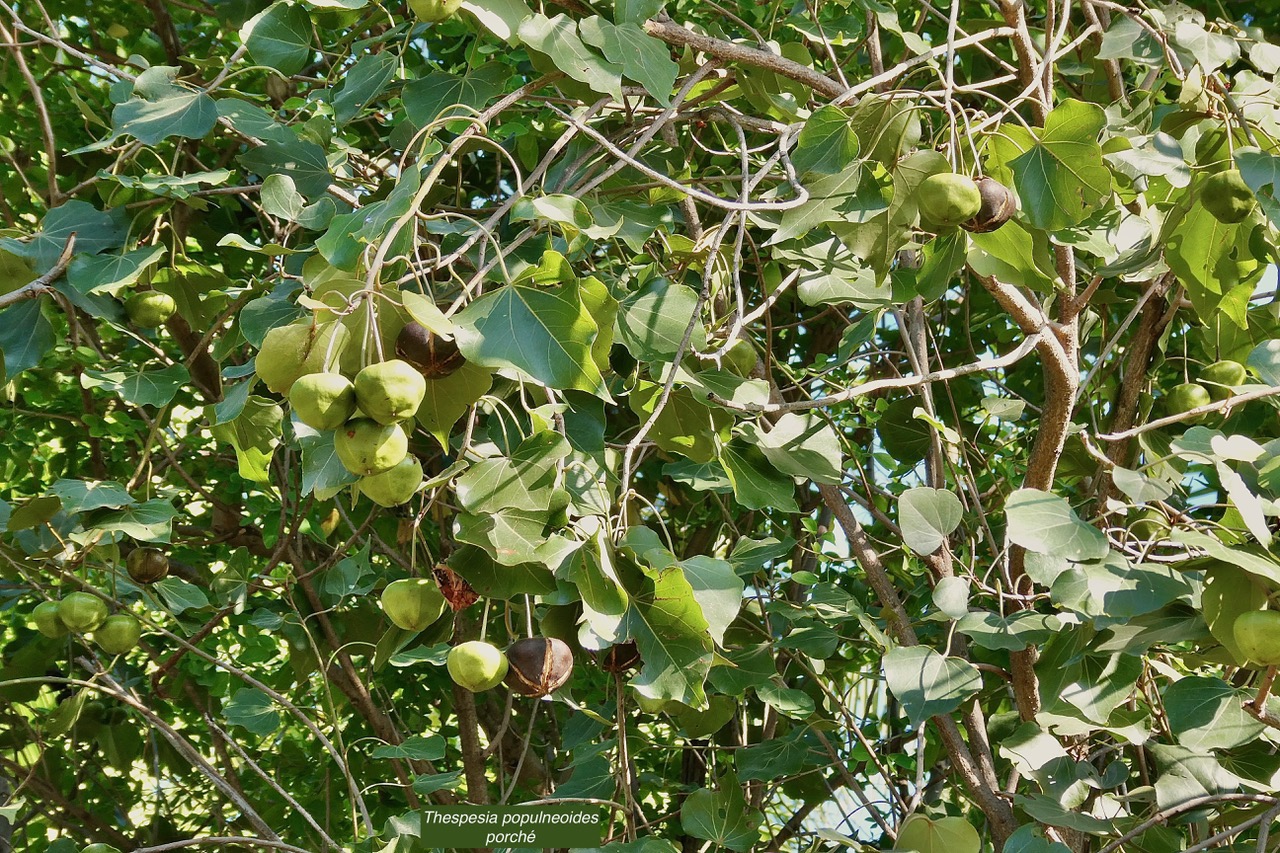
(860, 527)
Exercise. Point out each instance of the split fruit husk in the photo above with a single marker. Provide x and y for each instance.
(538, 665)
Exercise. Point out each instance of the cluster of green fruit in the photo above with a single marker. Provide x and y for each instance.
(535, 666)
(84, 613)
(947, 200)
(1215, 382)
(367, 414)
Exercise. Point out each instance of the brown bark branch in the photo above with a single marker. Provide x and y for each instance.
(998, 812)
(1151, 323)
(43, 284)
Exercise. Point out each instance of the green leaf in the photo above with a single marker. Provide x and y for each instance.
(279, 37)
(544, 332)
(1046, 524)
(927, 517)
(254, 434)
(1229, 591)
(927, 683)
(801, 444)
(937, 835)
(1059, 173)
(322, 472)
(1014, 633)
(685, 425)
(280, 197)
(302, 160)
(643, 58)
(426, 98)
(140, 387)
(500, 17)
(951, 596)
(160, 108)
(1258, 564)
(25, 336)
(253, 711)
(786, 701)
(84, 496)
(179, 596)
(557, 38)
(110, 273)
(147, 522)
(652, 321)
(717, 589)
(493, 580)
(670, 632)
(826, 144)
(427, 784)
(96, 231)
(362, 83)
(521, 481)
(447, 399)
(416, 748)
(1114, 590)
(756, 483)
(777, 758)
(1212, 259)
(1207, 713)
(721, 816)
(1186, 775)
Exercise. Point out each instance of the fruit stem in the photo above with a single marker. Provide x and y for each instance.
(1264, 689)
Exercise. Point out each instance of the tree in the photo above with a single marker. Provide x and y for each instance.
(874, 507)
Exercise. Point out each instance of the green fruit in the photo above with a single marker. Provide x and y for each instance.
(82, 612)
(47, 620)
(1221, 376)
(99, 848)
(476, 666)
(1257, 633)
(433, 11)
(323, 401)
(413, 603)
(367, 447)
(948, 199)
(390, 391)
(395, 486)
(1227, 197)
(1148, 524)
(1185, 397)
(297, 349)
(147, 565)
(118, 634)
(150, 308)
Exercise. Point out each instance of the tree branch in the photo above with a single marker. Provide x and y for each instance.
(998, 812)
(43, 284)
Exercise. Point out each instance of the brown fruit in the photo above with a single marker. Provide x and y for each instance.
(620, 658)
(147, 565)
(538, 665)
(432, 355)
(998, 207)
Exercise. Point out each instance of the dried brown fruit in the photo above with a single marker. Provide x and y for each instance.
(538, 665)
(998, 207)
(147, 565)
(433, 356)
